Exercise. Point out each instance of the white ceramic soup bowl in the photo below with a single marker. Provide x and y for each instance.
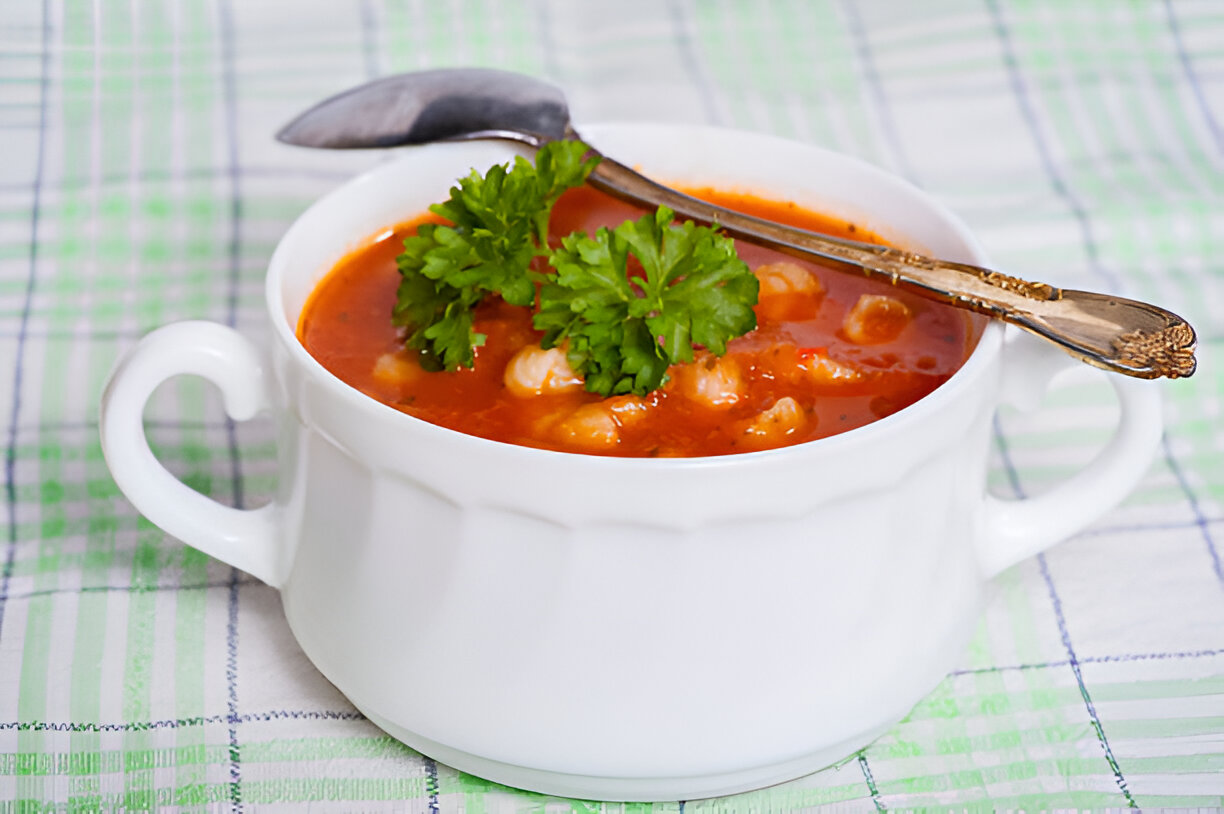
(619, 628)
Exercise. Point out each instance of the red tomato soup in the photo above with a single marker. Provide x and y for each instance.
(832, 351)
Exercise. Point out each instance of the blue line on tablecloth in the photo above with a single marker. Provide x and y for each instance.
(548, 44)
(1014, 478)
(370, 47)
(1199, 519)
(135, 589)
(10, 452)
(177, 723)
(875, 85)
(1125, 657)
(683, 37)
(231, 685)
(866, 61)
(229, 99)
(1079, 680)
(431, 783)
(1059, 184)
(1192, 76)
(871, 784)
(1172, 525)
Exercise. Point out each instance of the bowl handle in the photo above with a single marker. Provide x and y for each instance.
(1014, 530)
(244, 538)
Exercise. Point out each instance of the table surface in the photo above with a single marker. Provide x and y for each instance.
(1083, 143)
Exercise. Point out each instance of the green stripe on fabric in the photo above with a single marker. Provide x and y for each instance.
(1022, 640)
(88, 654)
(199, 215)
(89, 649)
(37, 639)
(154, 64)
(190, 645)
(305, 749)
(435, 38)
(1029, 643)
(1038, 59)
(942, 741)
(276, 750)
(88, 646)
(161, 798)
(32, 689)
(1040, 801)
(1167, 688)
(1177, 764)
(138, 666)
(1178, 727)
(476, 39)
(713, 42)
(520, 38)
(944, 704)
(1132, 218)
(1168, 200)
(1160, 63)
(1183, 801)
(395, 27)
(980, 779)
(1197, 430)
(761, 105)
(804, 80)
(320, 789)
(820, 70)
(108, 761)
(118, 218)
(793, 797)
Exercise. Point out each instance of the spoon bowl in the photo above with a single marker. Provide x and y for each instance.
(440, 105)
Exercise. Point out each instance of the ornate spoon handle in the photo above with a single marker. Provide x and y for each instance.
(1121, 335)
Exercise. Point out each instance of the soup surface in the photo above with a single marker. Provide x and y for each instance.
(832, 351)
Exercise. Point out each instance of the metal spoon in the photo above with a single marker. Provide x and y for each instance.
(1121, 335)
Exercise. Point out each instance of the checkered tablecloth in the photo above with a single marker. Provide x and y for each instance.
(139, 184)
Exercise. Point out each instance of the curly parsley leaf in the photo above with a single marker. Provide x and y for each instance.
(624, 329)
(498, 224)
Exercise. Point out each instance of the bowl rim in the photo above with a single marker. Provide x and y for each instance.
(988, 345)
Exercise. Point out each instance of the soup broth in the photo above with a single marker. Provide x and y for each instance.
(832, 351)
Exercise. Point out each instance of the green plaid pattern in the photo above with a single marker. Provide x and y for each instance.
(1084, 143)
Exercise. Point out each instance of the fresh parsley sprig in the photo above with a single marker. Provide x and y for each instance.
(625, 329)
(498, 224)
(627, 303)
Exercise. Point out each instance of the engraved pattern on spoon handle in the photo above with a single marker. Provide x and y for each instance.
(1134, 338)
